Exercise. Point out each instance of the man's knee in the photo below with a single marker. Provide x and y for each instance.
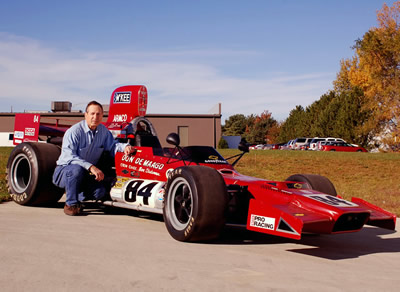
(75, 171)
(63, 175)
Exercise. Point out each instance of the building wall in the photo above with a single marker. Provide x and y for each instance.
(202, 129)
(7, 122)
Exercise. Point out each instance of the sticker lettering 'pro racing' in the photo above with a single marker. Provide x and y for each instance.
(262, 222)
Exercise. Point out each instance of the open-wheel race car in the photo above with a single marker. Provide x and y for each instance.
(195, 189)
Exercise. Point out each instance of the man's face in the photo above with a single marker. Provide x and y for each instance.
(93, 116)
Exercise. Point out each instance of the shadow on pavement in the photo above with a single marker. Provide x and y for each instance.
(369, 240)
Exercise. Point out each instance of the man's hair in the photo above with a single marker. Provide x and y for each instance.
(93, 102)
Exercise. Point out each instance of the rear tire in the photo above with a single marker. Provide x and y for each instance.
(195, 203)
(316, 182)
(29, 171)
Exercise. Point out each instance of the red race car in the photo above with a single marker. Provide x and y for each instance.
(196, 190)
(342, 146)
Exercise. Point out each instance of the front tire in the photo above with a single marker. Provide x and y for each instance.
(29, 171)
(316, 182)
(195, 203)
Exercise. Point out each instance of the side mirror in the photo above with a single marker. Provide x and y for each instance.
(173, 139)
(243, 146)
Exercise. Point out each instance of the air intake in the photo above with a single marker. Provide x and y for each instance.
(350, 222)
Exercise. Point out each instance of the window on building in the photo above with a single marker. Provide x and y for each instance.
(183, 132)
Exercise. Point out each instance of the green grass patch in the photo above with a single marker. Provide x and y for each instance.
(4, 153)
(374, 177)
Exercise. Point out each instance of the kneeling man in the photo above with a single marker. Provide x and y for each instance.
(82, 146)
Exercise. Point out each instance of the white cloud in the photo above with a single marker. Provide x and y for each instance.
(32, 74)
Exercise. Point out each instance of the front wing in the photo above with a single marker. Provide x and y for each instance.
(296, 217)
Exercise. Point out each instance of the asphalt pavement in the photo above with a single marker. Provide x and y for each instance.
(41, 249)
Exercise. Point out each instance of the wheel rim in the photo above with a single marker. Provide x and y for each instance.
(180, 203)
(20, 173)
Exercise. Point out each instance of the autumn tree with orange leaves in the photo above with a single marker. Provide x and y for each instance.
(261, 129)
(256, 129)
(375, 69)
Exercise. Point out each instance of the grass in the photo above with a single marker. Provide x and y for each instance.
(374, 177)
(4, 153)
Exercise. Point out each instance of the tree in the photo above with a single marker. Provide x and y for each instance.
(333, 115)
(235, 125)
(376, 70)
(273, 133)
(254, 128)
(351, 116)
(343, 116)
(319, 115)
(259, 127)
(294, 125)
(222, 144)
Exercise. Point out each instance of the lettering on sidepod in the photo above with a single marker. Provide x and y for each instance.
(141, 165)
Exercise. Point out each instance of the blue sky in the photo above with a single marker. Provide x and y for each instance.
(249, 55)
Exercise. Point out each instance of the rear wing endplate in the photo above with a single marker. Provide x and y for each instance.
(26, 128)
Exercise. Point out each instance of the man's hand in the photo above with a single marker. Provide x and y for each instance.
(129, 149)
(99, 175)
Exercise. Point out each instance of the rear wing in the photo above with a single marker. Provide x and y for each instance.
(126, 103)
(28, 127)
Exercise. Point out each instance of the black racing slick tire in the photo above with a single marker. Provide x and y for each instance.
(316, 182)
(195, 204)
(30, 169)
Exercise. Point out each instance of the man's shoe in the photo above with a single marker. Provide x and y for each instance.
(72, 210)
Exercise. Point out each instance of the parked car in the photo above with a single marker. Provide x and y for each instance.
(299, 142)
(277, 146)
(324, 141)
(291, 144)
(259, 147)
(340, 146)
(305, 146)
(287, 146)
(268, 146)
(321, 144)
(252, 146)
(313, 143)
(335, 140)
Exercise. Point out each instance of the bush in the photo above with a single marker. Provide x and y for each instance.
(222, 144)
